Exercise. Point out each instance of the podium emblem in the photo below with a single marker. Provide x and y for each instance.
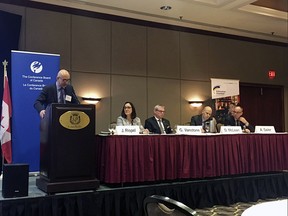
(74, 120)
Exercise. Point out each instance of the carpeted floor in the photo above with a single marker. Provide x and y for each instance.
(234, 210)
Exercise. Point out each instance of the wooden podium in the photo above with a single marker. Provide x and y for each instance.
(67, 149)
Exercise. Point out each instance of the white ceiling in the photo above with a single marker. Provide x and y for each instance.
(236, 17)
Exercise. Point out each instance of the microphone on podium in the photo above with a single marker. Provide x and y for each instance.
(75, 97)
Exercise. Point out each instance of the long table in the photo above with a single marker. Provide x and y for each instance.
(123, 159)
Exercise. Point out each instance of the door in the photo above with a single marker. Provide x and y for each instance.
(263, 105)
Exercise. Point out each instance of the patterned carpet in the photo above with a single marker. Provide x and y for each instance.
(234, 210)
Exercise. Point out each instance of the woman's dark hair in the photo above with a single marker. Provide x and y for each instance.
(133, 114)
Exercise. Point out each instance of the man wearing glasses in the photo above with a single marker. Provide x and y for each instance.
(157, 124)
(59, 92)
(237, 119)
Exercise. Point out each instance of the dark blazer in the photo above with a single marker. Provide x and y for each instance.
(49, 95)
(152, 125)
(197, 120)
(230, 121)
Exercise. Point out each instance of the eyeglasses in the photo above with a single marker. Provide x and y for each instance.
(64, 80)
(237, 112)
(127, 107)
(161, 111)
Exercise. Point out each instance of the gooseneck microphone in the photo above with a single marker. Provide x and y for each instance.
(75, 97)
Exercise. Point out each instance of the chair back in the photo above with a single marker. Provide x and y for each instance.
(156, 205)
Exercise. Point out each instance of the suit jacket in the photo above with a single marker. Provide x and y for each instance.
(197, 120)
(152, 125)
(49, 95)
(230, 121)
(123, 121)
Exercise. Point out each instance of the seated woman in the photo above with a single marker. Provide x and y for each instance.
(129, 117)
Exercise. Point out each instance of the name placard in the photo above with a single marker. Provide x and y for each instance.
(231, 130)
(264, 129)
(128, 130)
(184, 129)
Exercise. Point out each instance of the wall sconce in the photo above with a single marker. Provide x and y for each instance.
(196, 103)
(91, 100)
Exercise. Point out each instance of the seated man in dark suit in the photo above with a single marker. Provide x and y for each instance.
(236, 119)
(157, 124)
(204, 120)
(59, 92)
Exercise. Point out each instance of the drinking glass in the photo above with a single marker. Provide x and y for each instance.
(207, 127)
(112, 128)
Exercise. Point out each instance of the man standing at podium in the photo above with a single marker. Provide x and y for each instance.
(59, 92)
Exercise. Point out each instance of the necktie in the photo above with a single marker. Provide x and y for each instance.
(161, 126)
(62, 95)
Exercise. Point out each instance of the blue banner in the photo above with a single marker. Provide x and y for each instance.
(30, 73)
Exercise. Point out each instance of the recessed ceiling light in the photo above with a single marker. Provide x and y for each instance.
(166, 7)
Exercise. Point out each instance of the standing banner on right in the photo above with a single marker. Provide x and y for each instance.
(221, 88)
(225, 92)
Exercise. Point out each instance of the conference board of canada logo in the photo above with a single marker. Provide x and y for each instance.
(217, 90)
(36, 67)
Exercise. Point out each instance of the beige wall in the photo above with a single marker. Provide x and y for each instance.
(123, 62)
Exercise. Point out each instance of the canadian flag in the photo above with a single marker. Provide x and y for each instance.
(5, 130)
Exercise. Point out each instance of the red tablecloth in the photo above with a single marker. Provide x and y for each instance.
(123, 159)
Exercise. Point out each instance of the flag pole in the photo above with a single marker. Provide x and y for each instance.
(5, 63)
(5, 130)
